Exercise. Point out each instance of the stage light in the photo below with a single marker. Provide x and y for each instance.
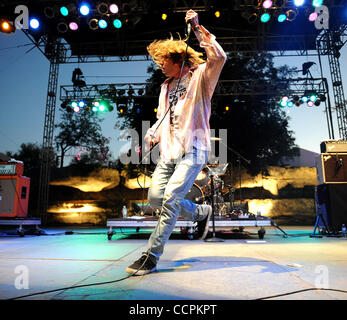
(155, 110)
(49, 12)
(310, 103)
(117, 23)
(299, 3)
(265, 17)
(217, 14)
(267, 4)
(317, 3)
(102, 8)
(102, 108)
(64, 11)
(84, 9)
(304, 99)
(62, 27)
(313, 97)
(73, 26)
(322, 97)
(74, 104)
(291, 14)
(164, 16)
(114, 8)
(93, 24)
(94, 109)
(282, 17)
(76, 109)
(81, 104)
(251, 17)
(313, 16)
(6, 26)
(290, 104)
(227, 108)
(102, 24)
(34, 23)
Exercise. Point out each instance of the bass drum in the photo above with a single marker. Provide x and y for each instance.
(195, 194)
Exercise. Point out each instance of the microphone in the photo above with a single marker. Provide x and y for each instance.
(189, 27)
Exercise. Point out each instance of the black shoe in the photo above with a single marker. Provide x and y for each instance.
(203, 225)
(146, 264)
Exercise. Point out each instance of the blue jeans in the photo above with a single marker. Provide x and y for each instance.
(171, 181)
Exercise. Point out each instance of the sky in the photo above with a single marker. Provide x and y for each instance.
(24, 81)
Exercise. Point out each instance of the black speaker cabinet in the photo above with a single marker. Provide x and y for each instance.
(331, 168)
(331, 203)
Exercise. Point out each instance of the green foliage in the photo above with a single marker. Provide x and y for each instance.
(82, 130)
(257, 127)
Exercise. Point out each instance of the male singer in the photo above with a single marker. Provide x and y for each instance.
(182, 131)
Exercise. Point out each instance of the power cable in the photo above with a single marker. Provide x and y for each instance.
(299, 291)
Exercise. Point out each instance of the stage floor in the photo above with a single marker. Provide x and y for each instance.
(243, 267)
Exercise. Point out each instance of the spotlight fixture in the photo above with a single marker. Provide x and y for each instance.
(291, 14)
(299, 3)
(102, 8)
(6, 26)
(93, 24)
(73, 26)
(84, 9)
(62, 27)
(313, 16)
(250, 16)
(64, 11)
(117, 23)
(317, 3)
(265, 17)
(34, 23)
(267, 4)
(49, 12)
(102, 24)
(113, 8)
(282, 17)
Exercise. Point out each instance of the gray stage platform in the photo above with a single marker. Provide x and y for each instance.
(240, 268)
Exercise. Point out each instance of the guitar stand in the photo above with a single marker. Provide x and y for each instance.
(213, 239)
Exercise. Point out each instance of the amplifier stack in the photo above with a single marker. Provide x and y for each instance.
(14, 190)
(331, 192)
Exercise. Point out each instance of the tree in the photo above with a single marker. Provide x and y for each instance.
(256, 127)
(82, 129)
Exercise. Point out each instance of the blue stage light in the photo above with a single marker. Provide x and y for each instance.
(84, 9)
(265, 17)
(282, 17)
(299, 3)
(317, 3)
(102, 24)
(34, 23)
(117, 23)
(64, 11)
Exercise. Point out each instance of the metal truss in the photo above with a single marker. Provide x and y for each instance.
(47, 150)
(249, 87)
(330, 43)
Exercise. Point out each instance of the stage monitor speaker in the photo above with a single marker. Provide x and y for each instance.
(331, 168)
(331, 203)
(14, 196)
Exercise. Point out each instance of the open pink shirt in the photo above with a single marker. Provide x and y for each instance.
(193, 109)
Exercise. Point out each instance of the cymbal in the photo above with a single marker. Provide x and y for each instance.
(215, 139)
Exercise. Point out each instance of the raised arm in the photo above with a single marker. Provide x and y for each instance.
(216, 56)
